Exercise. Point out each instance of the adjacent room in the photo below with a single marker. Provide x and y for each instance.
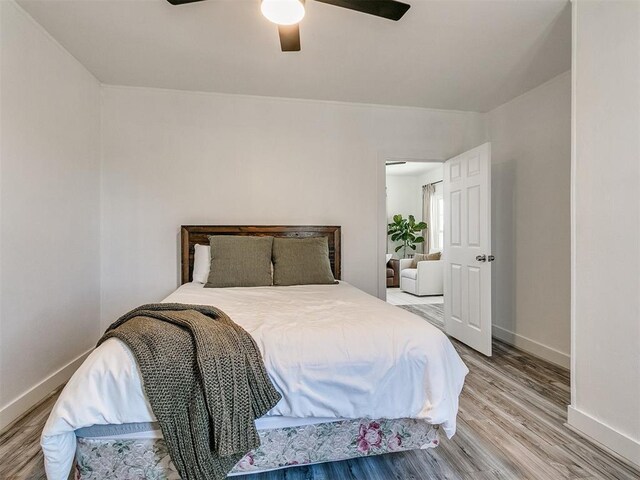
(319, 239)
(414, 191)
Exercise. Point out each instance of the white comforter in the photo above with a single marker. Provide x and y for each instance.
(331, 350)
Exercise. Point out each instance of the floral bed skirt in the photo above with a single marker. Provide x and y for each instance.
(98, 459)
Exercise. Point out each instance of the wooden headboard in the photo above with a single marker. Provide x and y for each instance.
(199, 234)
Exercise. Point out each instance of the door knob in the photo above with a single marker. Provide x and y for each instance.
(491, 258)
(481, 258)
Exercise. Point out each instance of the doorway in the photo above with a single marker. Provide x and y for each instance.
(438, 245)
(414, 190)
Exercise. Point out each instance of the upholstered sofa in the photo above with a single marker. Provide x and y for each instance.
(426, 279)
(393, 273)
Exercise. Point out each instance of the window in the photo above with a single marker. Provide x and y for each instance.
(437, 220)
(440, 207)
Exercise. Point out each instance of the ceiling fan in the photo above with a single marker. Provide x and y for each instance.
(288, 13)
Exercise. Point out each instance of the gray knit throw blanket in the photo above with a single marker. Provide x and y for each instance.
(205, 381)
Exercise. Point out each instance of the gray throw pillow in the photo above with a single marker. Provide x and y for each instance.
(240, 261)
(301, 261)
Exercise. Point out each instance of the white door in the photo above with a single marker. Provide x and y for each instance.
(467, 248)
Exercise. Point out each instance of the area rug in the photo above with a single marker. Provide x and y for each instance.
(432, 313)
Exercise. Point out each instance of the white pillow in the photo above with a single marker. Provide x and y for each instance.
(201, 263)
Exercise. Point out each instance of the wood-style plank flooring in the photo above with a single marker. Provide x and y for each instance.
(511, 426)
(395, 296)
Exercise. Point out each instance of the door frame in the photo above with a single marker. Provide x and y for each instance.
(381, 174)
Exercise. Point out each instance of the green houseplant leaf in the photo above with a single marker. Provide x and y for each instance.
(406, 231)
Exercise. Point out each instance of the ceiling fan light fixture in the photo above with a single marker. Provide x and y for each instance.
(283, 12)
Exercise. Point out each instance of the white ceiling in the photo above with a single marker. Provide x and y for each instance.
(451, 54)
(412, 168)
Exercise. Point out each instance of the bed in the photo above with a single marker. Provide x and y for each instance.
(358, 377)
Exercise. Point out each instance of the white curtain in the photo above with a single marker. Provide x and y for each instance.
(427, 196)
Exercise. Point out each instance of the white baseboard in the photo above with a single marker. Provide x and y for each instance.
(21, 405)
(597, 432)
(531, 346)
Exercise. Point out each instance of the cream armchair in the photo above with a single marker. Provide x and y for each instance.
(426, 279)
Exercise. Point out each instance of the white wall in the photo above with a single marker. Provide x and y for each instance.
(404, 197)
(431, 176)
(49, 207)
(173, 158)
(531, 159)
(606, 230)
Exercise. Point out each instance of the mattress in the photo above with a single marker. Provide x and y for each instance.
(148, 430)
(332, 351)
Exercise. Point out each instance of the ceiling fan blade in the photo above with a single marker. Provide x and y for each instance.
(289, 38)
(390, 9)
(182, 2)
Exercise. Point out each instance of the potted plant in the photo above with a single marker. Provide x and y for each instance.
(406, 230)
